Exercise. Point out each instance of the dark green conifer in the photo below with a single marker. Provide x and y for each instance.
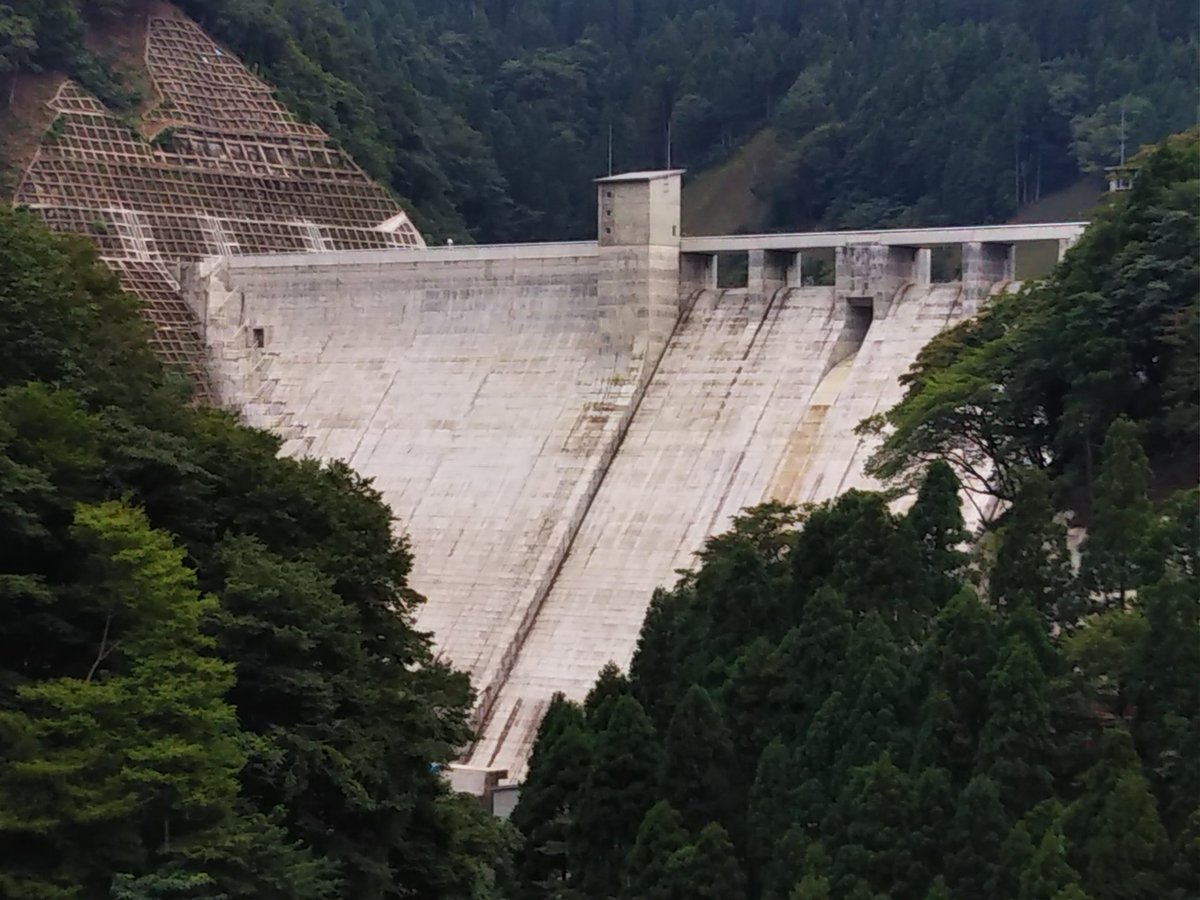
(815, 883)
(747, 699)
(707, 869)
(1114, 553)
(1032, 561)
(1115, 829)
(937, 521)
(558, 769)
(771, 808)
(698, 763)
(932, 811)
(956, 661)
(621, 786)
(610, 684)
(1015, 743)
(1048, 873)
(660, 835)
(877, 843)
(975, 838)
(809, 660)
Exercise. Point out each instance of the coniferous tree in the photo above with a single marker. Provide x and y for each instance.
(815, 884)
(975, 838)
(932, 812)
(877, 845)
(1167, 691)
(658, 675)
(937, 521)
(749, 699)
(1015, 743)
(1116, 834)
(610, 685)
(660, 835)
(771, 809)
(707, 869)
(558, 769)
(698, 762)
(621, 786)
(1114, 553)
(1032, 560)
(956, 661)
(1048, 873)
(808, 661)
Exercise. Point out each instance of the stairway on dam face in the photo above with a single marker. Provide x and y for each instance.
(704, 443)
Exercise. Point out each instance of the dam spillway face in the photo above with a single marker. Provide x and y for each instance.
(559, 427)
(215, 167)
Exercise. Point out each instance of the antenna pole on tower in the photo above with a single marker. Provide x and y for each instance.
(668, 142)
(1122, 134)
(610, 148)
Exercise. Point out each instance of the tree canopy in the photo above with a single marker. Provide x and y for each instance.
(489, 117)
(210, 684)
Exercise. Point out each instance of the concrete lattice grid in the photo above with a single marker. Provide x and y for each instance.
(228, 172)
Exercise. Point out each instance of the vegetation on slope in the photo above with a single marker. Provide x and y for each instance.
(489, 116)
(210, 685)
(1037, 379)
(841, 704)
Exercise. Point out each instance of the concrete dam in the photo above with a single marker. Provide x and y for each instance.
(558, 427)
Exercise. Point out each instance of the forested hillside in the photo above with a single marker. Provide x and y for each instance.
(840, 703)
(491, 116)
(210, 686)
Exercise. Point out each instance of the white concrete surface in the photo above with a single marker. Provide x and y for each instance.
(705, 442)
(833, 455)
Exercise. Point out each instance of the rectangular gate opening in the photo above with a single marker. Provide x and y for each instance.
(945, 263)
(733, 270)
(816, 267)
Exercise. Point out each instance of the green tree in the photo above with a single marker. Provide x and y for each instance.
(815, 884)
(937, 521)
(659, 836)
(770, 808)
(1115, 548)
(698, 762)
(956, 659)
(1114, 827)
(1048, 873)
(974, 839)
(610, 685)
(621, 786)
(558, 769)
(142, 743)
(1032, 561)
(1015, 743)
(707, 869)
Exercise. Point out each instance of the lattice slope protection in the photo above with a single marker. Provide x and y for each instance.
(228, 171)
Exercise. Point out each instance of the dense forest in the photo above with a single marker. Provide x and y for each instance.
(841, 703)
(210, 686)
(489, 117)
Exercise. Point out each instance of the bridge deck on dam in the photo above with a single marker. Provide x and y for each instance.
(552, 447)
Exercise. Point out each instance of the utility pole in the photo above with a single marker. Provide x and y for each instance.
(1122, 133)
